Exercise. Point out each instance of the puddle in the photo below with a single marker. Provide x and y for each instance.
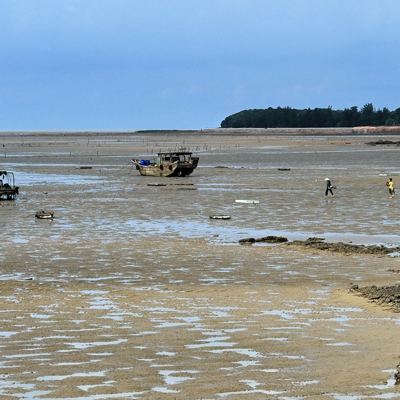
(86, 388)
(7, 334)
(212, 342)
(78, 374)
(166, 353)
(25, 355)
(389, 385)
(170, 377)
(247, 352)
(246, 363)
(123, 395)
(160, 389)
(340, 344)
(249, 392)
(40, 316)
(78, 345)
(280, 313)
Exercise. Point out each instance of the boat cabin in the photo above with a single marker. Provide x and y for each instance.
(180, 157)
(8, 190)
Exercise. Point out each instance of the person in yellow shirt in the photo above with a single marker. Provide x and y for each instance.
(390, 185)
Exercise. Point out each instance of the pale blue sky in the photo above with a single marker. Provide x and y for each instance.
(187, 64)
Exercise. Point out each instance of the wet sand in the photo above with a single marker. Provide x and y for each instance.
(133, 292)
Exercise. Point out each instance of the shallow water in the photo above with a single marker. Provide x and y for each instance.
(118, 201)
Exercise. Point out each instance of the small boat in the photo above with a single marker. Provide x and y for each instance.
(220, 217)
(8, 190)
(180, 163)
(247, 201)
(44, 214)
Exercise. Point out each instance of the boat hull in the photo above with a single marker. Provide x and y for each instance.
(8, 194)
(8, 190)
(168, 164)
(44, 215)
(165, 170)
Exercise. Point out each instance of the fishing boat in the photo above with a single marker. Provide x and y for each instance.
(44, 214)
(180, 163)
(8, 190)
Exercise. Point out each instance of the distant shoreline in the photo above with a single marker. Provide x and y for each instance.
(361, 131)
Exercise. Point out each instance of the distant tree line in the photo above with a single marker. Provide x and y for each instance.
(287, 117)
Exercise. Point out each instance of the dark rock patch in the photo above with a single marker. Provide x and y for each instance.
(272, 239)
(346, 248)
(385, 296)
(265, 239)
(397, 375)
(318, 243)
(247, 241)
(383, 142)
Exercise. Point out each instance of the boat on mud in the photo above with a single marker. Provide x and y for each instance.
(179, 163)
(8, 190)
(44, 214)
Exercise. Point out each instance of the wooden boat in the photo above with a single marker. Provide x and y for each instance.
(44, 214)
(180, 163)
(247, 201)
(8, 190)
(220, 217)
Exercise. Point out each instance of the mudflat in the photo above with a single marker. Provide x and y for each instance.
(133, 292)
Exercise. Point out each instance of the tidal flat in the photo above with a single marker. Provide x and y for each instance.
(133, 292)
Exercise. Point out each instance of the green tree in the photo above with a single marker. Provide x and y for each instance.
(367, 114)
(287, 117)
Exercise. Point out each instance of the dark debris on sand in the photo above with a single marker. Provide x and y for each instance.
(319, 244)
(383, 142)
(386, 296)
(265, 239)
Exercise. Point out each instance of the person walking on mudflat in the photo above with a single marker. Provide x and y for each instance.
(390, 185)
(328, 187)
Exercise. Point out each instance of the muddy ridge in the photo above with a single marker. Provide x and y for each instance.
(319, 244)
(383, 142)
(386, 296)
(340, 247)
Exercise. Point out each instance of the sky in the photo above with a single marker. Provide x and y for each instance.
(188, 64)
